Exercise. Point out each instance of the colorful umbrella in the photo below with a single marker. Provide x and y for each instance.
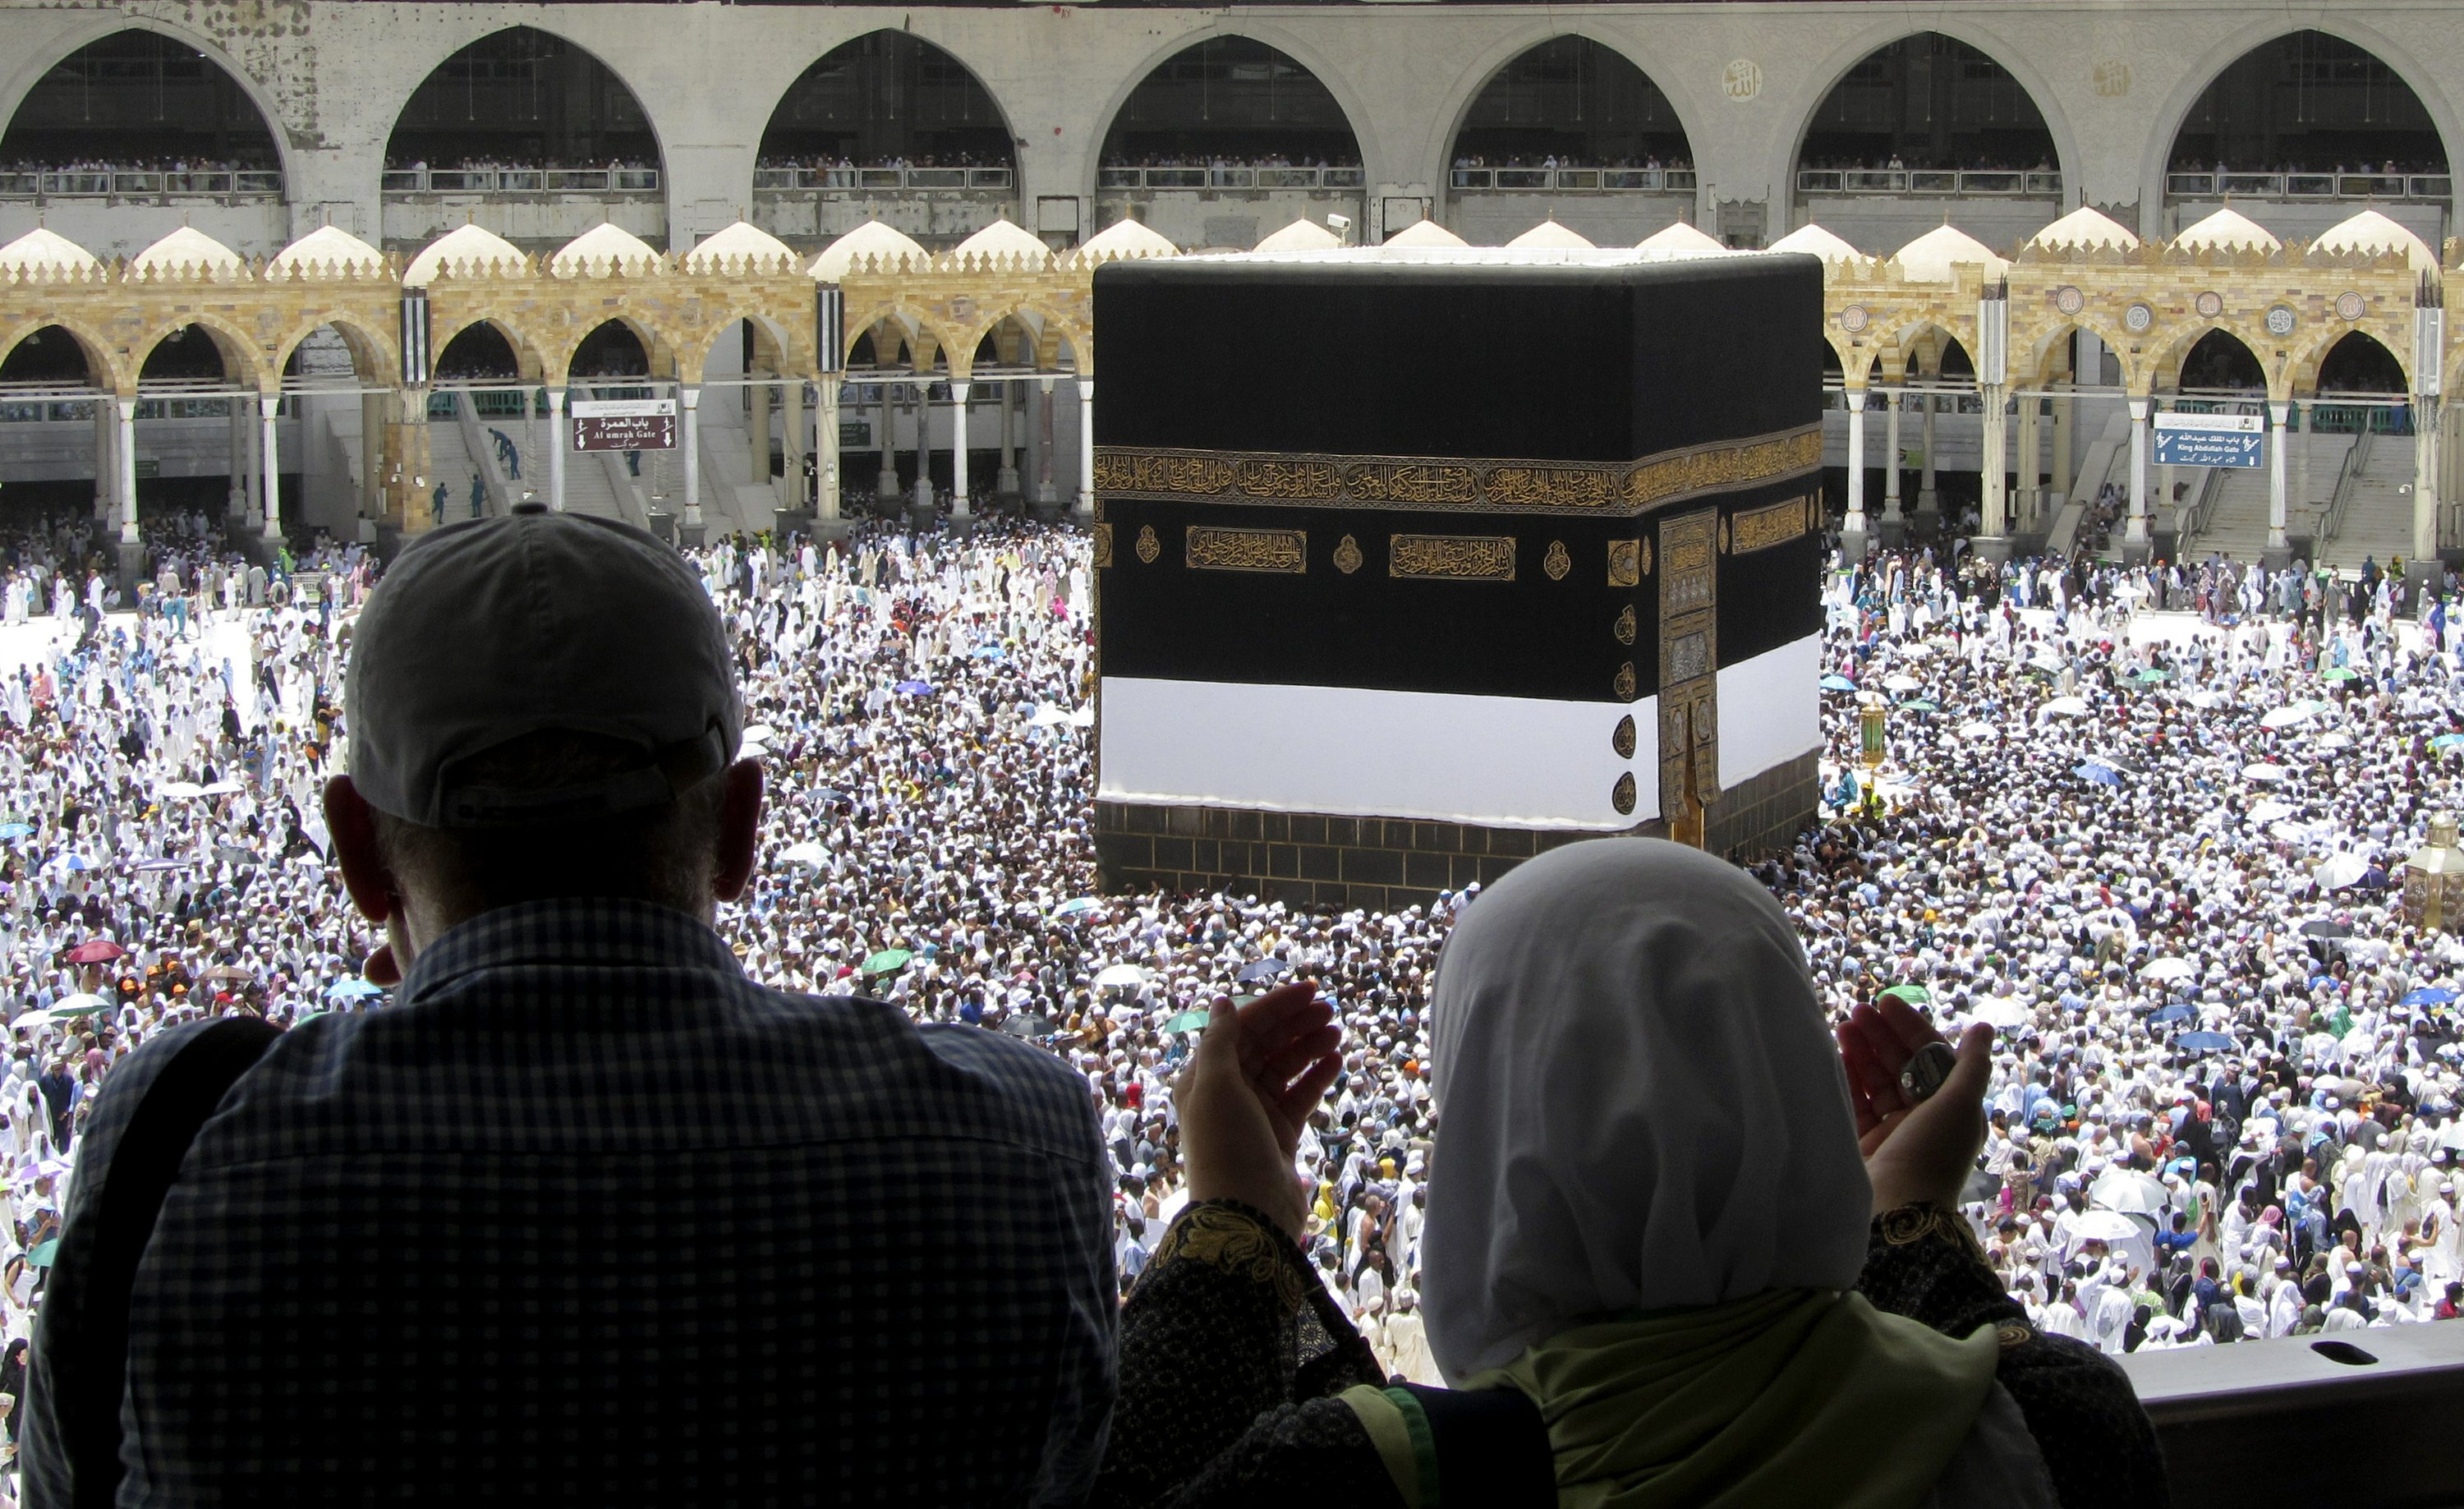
(1913, 994)
(887, 962)
(96, 952)
(1188, 1022)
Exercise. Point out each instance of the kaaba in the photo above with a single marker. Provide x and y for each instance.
(1410, 565)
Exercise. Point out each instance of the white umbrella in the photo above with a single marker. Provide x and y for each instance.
(1048, 716)
(2291, 833)
(218, 788)
(2169, 970)
(1976, 730)
(1120, 975)
(1083, 718)
(806, 853)
(2000, 1012)
(2263, 771)
(2334, 741)
(752, 749)
(180, 789)
(2127, 1193)
(2067, 707)
(2340, 870)
(2106, 1226)
(2208, 699)
(1902, 682)
(759, 732)
(2285, 716)
(2271, 810)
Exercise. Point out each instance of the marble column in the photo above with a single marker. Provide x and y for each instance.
(1013, 407)
(2136, 534)
(270, 464)
(1046, 494)
(1894, 519)
(1085, 509)
(1994, 465)
(961, 509)
(236, 499)
(556, 443)
(2425, 438)
(124, 451)
(826, 448)
(886, 486)
(690, 398)
(1928, 495)
(2278, 414)
(1852, 531)
(756, 428)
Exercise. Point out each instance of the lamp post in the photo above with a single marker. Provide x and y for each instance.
(2433, 880)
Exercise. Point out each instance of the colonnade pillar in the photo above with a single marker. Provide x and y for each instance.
(921, 503)
(886, 486)
(106, 469)
(1994, 465)
(1005, 486)
(756, 430)
(2164, 487)
(962, 511)
(1085, 509)
(2031, 467)
(555, 450)
(2065, 422)
(1928, 494)
(1895, 522)
(124, 458)
(269, 463)
(2426, 449)
(825, 446)
(690, 395)
(1852, 533)
(2135, 537)
(1047, 496)
(791, 414)
(236, 498)
(2303, 430)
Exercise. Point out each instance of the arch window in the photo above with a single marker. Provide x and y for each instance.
(523, 111)
(1572, 113)
(139, 112)
(1929, 115)
(1235, 102)
(887, 110)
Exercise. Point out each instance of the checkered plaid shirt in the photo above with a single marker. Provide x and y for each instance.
(591, 1218)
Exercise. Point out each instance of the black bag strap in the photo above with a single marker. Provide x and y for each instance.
(85, 1308)
(1492, 1448)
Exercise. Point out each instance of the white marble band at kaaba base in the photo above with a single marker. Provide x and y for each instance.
(1769, 709)
(1499, 762)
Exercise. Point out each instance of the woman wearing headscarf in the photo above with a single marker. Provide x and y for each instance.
(1709, 1256)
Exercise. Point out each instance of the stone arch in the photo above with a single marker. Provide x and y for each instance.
(1474, 81)
(2306, 362)
(655, 351)
(922, 334)
(2166, 366)
(1357, 114)
(529, 354)
(1925, 340)
(2037, 364)
(2264, 30)
(773, 344)
(1856, 362)
(376, 352)
(999, 124)
(1868, 40)
(482, 35)
(103, 368)
(244, 360)
(111, 22)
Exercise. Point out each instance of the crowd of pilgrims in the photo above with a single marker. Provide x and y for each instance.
(2154, 848)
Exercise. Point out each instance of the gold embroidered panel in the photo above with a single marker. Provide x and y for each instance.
(1103, 545)
(1452, 558)
(1625, 563)
(1448, 483)
(1689, 660)
(1208, 547)
(1761, 528)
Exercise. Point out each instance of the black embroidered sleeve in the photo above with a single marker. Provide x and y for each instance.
(1232, 1356)
(1921, 1262)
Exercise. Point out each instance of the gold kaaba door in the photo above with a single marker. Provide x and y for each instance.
(1689, 671)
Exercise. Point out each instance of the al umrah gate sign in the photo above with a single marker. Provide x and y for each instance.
(2210, 440)
(624, 424)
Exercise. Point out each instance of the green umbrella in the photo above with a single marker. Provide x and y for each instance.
(2341, 672)
(1188, 1022)
(1919, 704)
(2152, 675)
(1913, 994)
(42, 1255)
(887, 961)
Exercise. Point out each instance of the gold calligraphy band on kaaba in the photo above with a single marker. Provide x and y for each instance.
(1761, 528)
(1452, 558)
(1207, 547)
(1454, 483)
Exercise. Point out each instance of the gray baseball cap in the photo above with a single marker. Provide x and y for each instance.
(487, 631)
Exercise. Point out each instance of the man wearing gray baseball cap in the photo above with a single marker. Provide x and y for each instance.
(585, 1215)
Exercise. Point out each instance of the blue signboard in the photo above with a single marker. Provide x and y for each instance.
(2211, 440)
